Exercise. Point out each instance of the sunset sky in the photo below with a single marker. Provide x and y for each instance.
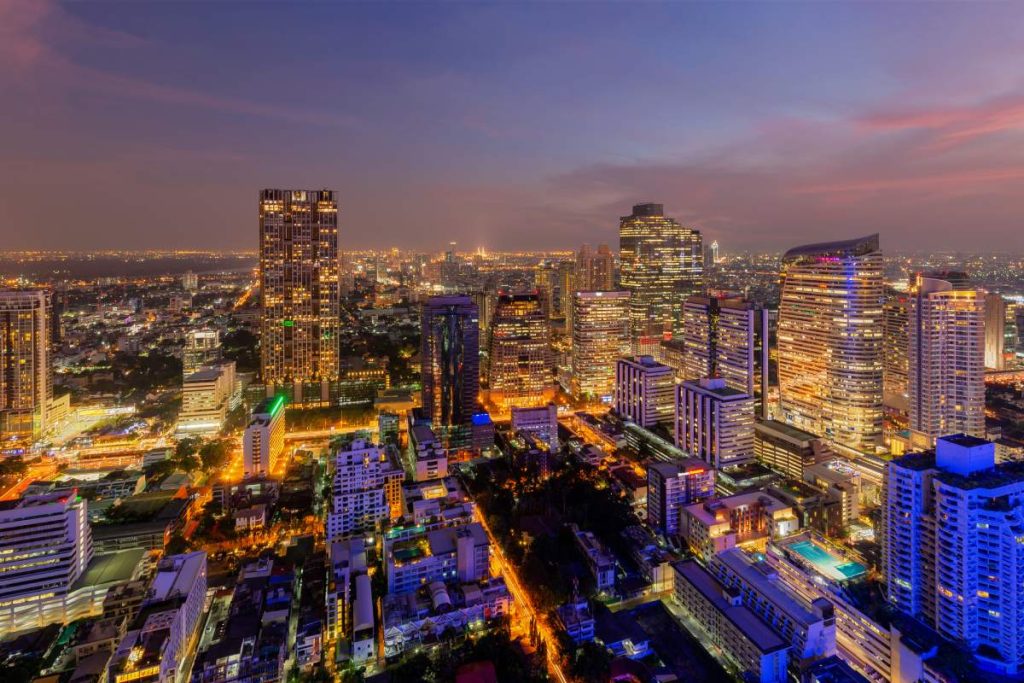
(507, 125)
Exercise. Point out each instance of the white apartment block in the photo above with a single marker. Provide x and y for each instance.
(206, 397)
(954, 547)
(673, 485)
(541, 423)
(366, 489)
(644, 391)
(714, 422)
(458, 554)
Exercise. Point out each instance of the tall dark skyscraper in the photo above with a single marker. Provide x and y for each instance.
(449, 350)
(661, 263)
(299, 286)
(26, 377)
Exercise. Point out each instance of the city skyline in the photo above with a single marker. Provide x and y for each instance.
(425, 128)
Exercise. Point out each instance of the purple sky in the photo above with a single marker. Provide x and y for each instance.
(508, 125)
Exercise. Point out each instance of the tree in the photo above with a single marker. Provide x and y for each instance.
(214, 455)
(186, 447)
(592, 662)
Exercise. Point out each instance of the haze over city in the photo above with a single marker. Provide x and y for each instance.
(512, 126)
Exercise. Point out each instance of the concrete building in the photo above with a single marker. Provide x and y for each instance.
(995, 331)
(952, 552)
(206, 397)
(830, 341)
(299, 289)
(895, 358)
(599, 559)
(540, 423)
(719, 524)
(429, 457)
(786, 449)
(452, 554)
(202, 350)
(595, 271)
(644, 391)
(714, 422)
(519, 362)
(263, 440)
(366, 489)
(720, 617)
(946, 359)
(600, 336)
(671, 486)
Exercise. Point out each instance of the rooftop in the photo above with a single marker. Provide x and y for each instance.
(111, 568)
(859, 246)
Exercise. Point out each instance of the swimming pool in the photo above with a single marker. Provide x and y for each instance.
(827, 563)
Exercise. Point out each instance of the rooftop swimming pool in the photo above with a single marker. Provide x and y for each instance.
(826, 563)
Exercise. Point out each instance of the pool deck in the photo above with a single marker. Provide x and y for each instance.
(825, 562)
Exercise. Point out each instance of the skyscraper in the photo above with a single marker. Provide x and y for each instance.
(895, 369)
(519, 359)
(661, 263)
(595, 271)
(725, 337)
(830, 341)
(946, 342)
(995, 331)
(600, 336)
(202, 349)
(449, 350)
(299, 287)
(26, 376)
(715, 422)
(952, 552)
(644, 391)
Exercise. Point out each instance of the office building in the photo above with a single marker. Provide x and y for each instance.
(600, 336)
(671, 486)
(786, 449)
(714, 422)
(541, 423)
(644, 391)
(946, 359)
(595, 271)
(746, 642)
(299, 289)
(830, 341)
(725, 337)
(263, 439)
(952, 550)
(995, 331)
(450, 370)
(206, 397)
(895, 358)
(155, 646)
(661, 263)
(26, 375)
(202, 350)
(389, 426)
(518, 353)
(45, 546)
(366, 489)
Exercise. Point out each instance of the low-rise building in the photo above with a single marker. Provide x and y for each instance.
(748, 518)
(599, 559)
(458, 553)
(541, 422)
(671, 486)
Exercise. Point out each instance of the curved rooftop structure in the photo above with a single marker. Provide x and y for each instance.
(854, 247)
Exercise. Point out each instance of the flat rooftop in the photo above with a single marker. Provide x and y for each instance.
(111, 568)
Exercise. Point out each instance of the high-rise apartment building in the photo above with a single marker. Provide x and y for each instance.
(674, 485)
(202, 350)
(600, 336)
(366, 489)
(661, 263)
(830, 341)
(299, 288)
(45, 546)
(450, 370)
(946, 351)
(715, 422)
(995, 331)
(644, 391)
(725, 337)
(26, 374)
(263, 439)
(952, 550)
(895, 361)
(519, 360)
(595, 271)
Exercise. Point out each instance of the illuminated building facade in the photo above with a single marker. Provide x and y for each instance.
(299, 288)
(26, 375)
(995, 331)
(895, 364)
(946, 359)
(725, 337)
(830, 341)
(674, 485)
(644, 391)
(366, 489)
(661, 263)
(449, 352)
(519, 357)
(715, 422)
(600, 336)
(263, 440)
(595, 271)
(202, 349)
(952, 551)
